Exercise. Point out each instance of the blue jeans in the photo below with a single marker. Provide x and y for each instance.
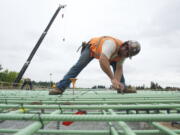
(83, 61)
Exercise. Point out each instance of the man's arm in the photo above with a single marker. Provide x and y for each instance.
(105, 66)
(115, 79)
(118, 75)
(119, 71)
(108, 48)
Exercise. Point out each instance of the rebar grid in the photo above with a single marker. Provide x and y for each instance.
(101, 105)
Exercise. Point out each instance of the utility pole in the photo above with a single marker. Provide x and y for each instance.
(51, 82)
(25, 66)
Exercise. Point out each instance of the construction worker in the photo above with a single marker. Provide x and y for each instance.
(27, 82)
(109, 51)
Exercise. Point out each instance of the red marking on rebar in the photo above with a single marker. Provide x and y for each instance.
(68, 123)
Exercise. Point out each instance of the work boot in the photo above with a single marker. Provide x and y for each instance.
(128, 90)
(56, 91)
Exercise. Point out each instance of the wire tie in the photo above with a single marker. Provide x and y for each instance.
(5, 101)
(110, 126)
(40, 119)
(60, 108)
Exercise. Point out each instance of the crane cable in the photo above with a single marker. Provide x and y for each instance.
(63, 39)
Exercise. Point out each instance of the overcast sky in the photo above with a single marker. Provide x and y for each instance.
(154, 23)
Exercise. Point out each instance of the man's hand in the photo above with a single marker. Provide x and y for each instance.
(117, 85)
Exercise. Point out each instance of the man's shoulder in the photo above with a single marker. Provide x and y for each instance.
(108, 48)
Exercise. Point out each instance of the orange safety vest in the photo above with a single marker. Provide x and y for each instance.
(96, 46)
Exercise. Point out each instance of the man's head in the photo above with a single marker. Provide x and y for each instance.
(129, 48)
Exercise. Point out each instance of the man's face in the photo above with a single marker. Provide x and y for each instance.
(124, 51)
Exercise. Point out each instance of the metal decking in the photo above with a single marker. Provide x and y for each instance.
(116, 110)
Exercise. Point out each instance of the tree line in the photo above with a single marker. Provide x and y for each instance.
(7, 78)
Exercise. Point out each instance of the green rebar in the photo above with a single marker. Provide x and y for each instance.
(112, 129)
(120, 107)
(108, 94)
(92, 102)
(126, 118)
(89, 132)
(163, 129)
(126, 129)
(29, 130)
(141, 102)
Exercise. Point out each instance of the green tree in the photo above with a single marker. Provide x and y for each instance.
(0, 67)
(3, 75)
(8, 76)
(12, 76)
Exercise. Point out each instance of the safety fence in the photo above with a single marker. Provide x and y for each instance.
(102, 111)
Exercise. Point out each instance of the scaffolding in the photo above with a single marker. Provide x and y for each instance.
(118, 111)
